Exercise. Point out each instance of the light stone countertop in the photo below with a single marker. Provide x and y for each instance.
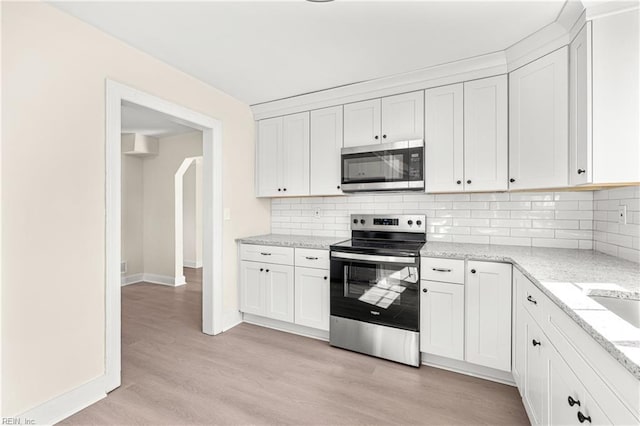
(568, 277)
(299, 241)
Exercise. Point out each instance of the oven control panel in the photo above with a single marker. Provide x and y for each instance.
(389, 223)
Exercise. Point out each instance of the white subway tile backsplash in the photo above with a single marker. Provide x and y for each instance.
(611, 237)
(572, 219)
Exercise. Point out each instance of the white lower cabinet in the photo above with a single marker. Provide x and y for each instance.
(563, 374)
(266, 290)
(312, 298)
(442, 319)
(535, 384)
(488, 314)
(282, 291)
(569, 401)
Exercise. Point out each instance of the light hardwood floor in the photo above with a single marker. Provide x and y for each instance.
(173, 374)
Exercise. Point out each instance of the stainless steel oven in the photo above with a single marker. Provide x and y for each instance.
(383, 167)
(374, 287)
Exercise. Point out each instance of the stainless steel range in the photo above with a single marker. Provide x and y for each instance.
(375, 280)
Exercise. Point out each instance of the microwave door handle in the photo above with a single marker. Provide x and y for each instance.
(372, 258)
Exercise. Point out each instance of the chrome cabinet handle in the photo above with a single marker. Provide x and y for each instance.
(311, 258)
(441, 270)
(532, 300)
(266, 254)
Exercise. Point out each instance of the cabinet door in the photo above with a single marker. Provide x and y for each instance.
(295, 155)
(279, 292)
(444, 147)
(252, 295)
(563, 384)
(535, 388)
(616, 101)
(442, 319)
(362, 123)
(485, 134)
(326, 143)
(268, 162)
(312, 298)
(488, 314)
(580, 107)
(538, 123)
(403, 117)
(519, 343)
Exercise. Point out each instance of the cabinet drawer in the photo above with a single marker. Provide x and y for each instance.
(532, 299)
(312, 258)
(267, 254)
(443, 270)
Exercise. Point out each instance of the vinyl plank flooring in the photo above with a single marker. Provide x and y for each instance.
(174, 374)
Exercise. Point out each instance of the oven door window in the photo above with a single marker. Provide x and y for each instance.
(383, 293)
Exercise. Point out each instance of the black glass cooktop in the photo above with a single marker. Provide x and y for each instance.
(395, 247)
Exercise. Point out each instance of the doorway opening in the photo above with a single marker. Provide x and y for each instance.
(209, 130)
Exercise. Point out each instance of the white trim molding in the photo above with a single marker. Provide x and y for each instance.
(540, 43)
(65, 405)
(212, 312)
(189, 263)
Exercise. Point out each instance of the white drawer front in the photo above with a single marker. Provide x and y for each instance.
(267, 254)
(312, 258)
(532, 299)
(443, 270)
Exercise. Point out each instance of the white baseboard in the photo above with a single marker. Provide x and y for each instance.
(192, 263)
(131, 279)
(153, 279)
(231, 319)
(468, 368)
(65, 405)
(287, 327)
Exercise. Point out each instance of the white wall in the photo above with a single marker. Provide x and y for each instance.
(610, 236)
(538, 219)
(159, 201)
(132, 214)
(192, 216)
(53, 192)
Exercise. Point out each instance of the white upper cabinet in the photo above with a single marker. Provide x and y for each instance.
(295, 151)
(485, 134)
(268, 161)
(326, 142)
(466, 136)
(580, 171)
(538, 126)
(403, 117)
(362, 123)
(282, 156)
(444, 143)
(391, 119)
(488, 316)
(616, 103)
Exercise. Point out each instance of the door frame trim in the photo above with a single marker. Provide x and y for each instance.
(212, 307)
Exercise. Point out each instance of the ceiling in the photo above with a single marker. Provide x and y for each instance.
(137, 119)
(262, 51)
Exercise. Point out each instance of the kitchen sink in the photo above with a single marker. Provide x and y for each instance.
(627, 309)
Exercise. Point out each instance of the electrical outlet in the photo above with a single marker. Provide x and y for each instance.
(622, 214)
(316, 213)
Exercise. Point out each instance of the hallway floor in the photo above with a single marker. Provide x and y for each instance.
(172, 374)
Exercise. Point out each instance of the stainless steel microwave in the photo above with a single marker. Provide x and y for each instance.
(394, 166)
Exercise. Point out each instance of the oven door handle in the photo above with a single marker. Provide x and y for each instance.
(374, 258)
